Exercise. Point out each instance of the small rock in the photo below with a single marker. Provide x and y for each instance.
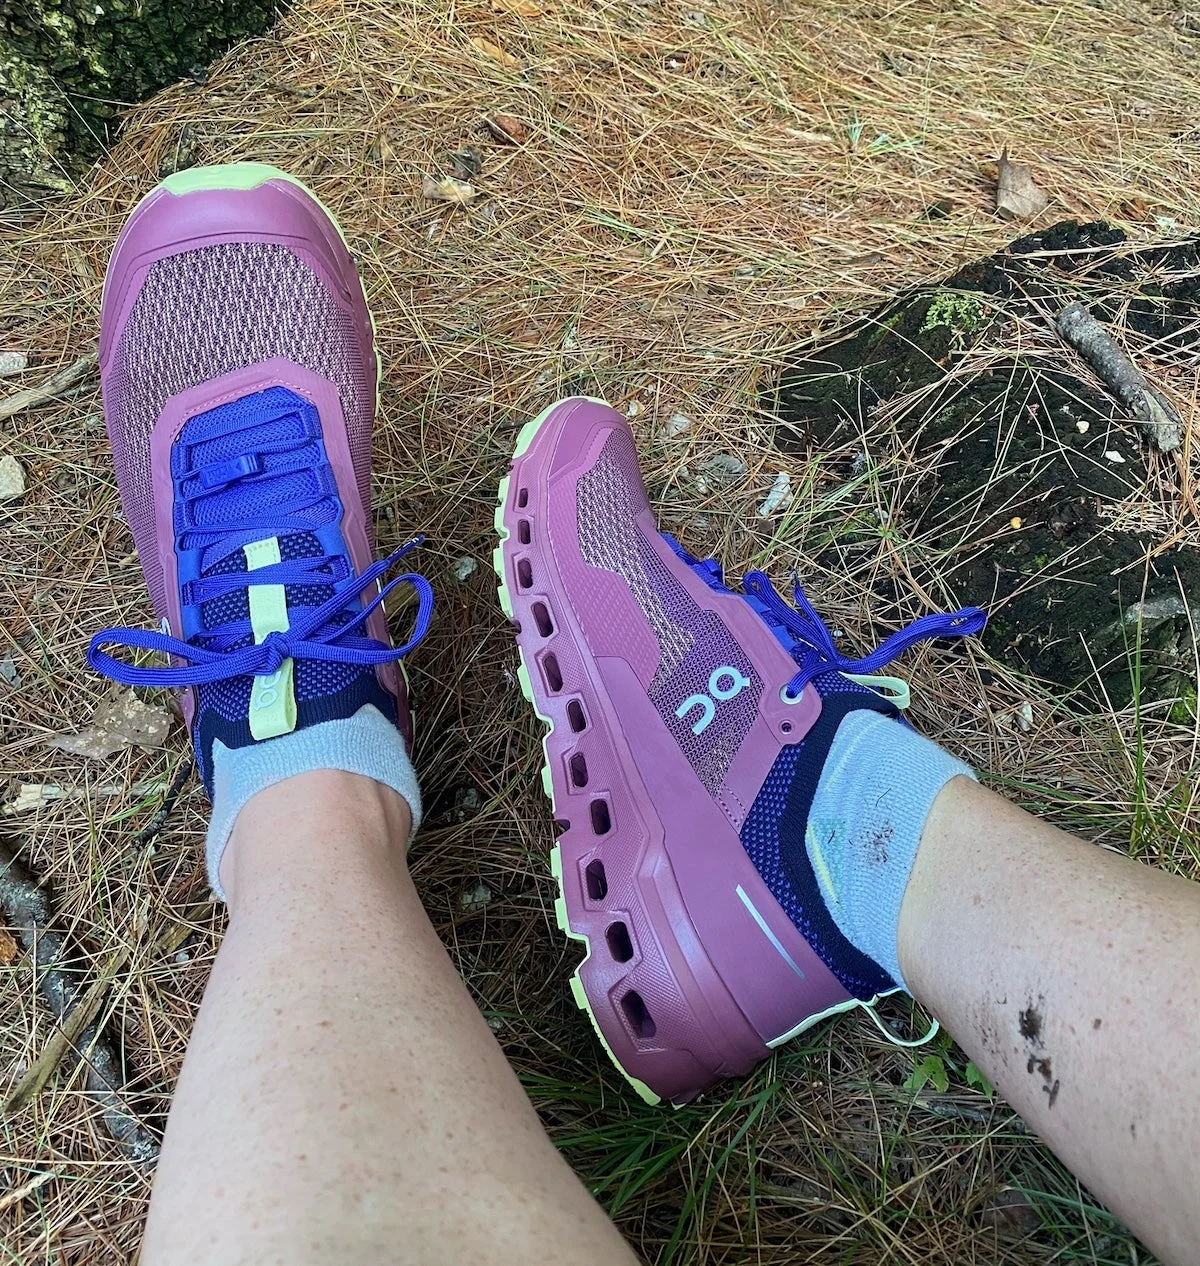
(12, 478)
(183, 957)
(467, 801)
(13, 362)
(464, 567)
(475, 898)
(1025, 716)
(1009, 1211)
(1113, 456)
(676, 425)
(780, 496)
(1083, 426)
(8, 671)
(724, 468)
(467, 162)
(632, 409)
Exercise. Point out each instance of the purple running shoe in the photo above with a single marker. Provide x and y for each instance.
(688, 726)
(240, 385)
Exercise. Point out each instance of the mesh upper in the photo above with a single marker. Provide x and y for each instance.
(206, 313)
(691, 641)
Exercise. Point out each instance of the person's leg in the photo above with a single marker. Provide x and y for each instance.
(342, 1099)
(742, 808)
(1071, 976)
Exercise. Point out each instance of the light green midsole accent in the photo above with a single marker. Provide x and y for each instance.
(226, 176)
(808, 1023)
(273, 698)
(524, 439)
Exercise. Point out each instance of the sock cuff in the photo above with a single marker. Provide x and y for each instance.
(366, 743)
(876, 789)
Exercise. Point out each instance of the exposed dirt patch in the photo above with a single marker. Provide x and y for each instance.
(1029, 1023)
(1012, 472)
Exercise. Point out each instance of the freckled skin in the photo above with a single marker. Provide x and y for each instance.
(335, 1127)
(372, 1117)
(1069, 934)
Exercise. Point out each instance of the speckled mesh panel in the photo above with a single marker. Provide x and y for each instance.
(692, 642)
(208, 312)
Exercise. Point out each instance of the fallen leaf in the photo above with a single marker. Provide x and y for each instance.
(8, 947)
(380, 149)
(507, 128)
(520, 8)
(120, 722)
(1135, 208)
(457, 192)
(676, 425)
(494, 51)
(1017, 196)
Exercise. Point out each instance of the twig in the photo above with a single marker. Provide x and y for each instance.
(147, 834)
(26, 906)
(1161, 424)
(10, 1198)
(55, 385)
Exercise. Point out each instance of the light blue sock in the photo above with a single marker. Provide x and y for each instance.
(366, 743)
(876, 789)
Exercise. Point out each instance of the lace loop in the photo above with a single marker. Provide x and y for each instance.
(817, 651)
(313, 634)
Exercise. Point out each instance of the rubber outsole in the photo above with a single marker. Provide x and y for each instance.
(524, 439)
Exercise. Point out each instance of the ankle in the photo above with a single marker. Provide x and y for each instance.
(319, 821)
(877, 789)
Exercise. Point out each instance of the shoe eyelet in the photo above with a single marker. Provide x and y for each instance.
(790, 699)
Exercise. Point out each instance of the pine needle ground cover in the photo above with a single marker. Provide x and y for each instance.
(681, 203)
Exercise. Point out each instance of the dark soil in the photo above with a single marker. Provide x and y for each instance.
(1013, 494)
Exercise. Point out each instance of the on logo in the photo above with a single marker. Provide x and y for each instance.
(723, 683)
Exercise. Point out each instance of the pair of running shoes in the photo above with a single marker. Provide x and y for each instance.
(686, 723)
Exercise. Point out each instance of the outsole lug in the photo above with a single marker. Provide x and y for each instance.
(562, 917)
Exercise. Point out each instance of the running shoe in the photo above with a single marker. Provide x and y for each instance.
(240, 385)
(687, 728)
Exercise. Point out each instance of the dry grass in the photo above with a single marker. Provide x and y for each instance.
(706, 185)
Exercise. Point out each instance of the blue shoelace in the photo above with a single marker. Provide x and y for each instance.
(816, 652)
(812, 645)
(320, 632)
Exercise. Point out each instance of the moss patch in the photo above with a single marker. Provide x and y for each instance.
(67, 68)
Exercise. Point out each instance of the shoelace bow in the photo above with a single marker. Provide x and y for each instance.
(313, 633)
(819, 651)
